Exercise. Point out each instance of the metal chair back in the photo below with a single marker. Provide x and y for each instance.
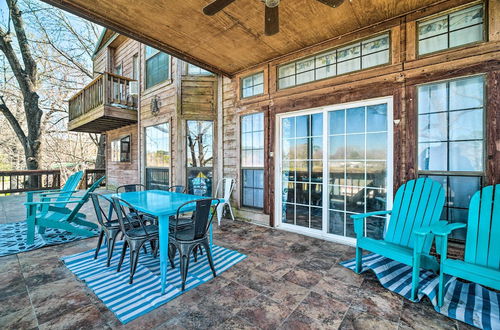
(203, 214)
(130, 188)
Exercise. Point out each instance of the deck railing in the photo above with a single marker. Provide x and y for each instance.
(105, 89)
(21, 181)
(92, 175)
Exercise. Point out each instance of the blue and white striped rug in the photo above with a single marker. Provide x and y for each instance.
(467, 302)
(127, 301)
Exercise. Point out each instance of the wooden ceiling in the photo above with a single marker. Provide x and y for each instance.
(233, 40)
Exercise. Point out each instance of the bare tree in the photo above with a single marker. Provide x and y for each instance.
(26, 74)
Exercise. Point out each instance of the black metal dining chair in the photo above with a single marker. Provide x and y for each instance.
(130, 188)
(135, 236)
(188, 240)
(109, 227)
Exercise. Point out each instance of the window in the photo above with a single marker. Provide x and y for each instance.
(157, 66)
(252, 85)
(356, 56)
(451, 141)
(452, 30)
(200, 163)
(196, 71)
(252, 160)
(120, 150)
(157, 156)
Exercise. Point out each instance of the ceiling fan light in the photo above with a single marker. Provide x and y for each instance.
(272, 3)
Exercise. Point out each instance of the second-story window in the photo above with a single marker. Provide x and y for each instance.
(252, 160)
(252, 85)
(452, 30)
(157, 66)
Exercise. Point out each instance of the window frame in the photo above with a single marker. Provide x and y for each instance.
(151, 56)
(252, 168)
(481, 175)
(203, 74)
(336, 49)
(252, 75)
(118, 143)
(447, 14)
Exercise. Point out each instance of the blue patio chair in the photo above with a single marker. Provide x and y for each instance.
(417, 205)
(66, 191)
(481, 262)
(47, 213)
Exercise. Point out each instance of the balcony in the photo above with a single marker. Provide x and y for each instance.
(106, 103)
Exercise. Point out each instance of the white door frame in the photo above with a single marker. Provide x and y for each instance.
(278, 176)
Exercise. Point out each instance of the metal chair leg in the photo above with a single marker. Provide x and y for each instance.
(171, 254)
(124, 250)
(209, 256)
(134, 258)
(111, 245)
(99, 242)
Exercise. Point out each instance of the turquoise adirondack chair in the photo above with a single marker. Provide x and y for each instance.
(62, 194)
(417, 204)
(481, 262)
(47, 213)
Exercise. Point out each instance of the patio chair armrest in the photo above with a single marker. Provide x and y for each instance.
(359, 219)
(444, 228)
(369, 214)
(50, 203)
(59, 193)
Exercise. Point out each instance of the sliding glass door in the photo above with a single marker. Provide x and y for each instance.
(334, 162)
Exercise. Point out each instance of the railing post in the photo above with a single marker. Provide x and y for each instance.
(105, 88)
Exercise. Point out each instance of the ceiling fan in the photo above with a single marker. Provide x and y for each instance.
(271, 25)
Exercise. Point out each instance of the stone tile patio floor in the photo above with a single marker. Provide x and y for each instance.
(288, 281)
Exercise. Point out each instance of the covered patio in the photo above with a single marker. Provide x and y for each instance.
(288, 281)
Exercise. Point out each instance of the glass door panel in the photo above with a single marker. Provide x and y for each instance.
(199, 157)
(357, 165)
(302, 171)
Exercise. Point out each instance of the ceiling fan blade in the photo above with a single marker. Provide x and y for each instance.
(216, 6)
(272, 21)
(332, 3)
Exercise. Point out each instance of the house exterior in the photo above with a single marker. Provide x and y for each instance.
(329, 130)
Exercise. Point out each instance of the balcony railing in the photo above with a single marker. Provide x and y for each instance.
(106, 89)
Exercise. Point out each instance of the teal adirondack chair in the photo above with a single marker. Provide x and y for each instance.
(62, 194)
(481, 263)
(417, 204)
(47, 213)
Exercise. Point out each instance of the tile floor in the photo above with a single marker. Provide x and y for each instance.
(288, 281)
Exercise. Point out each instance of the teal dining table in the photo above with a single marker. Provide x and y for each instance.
(161, 204)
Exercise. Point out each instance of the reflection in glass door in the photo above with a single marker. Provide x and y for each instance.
(302, 164)
(199, 157)
(340, 155)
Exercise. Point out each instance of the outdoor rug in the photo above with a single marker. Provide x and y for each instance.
(466, 302)
(127, 301)
(13, 238)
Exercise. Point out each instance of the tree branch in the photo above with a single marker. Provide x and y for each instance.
(4, 109)
(17, 21)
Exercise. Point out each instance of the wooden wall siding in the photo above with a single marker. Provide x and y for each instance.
(118, 173)
(198, 95)
(398, 79)
(99, 62)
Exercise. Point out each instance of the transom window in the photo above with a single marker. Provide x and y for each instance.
(353, 57)
(196, 71)
(157, 66)
(451, 140)
(120, 150)
(452, 30)
(252, 159)
(252, 85)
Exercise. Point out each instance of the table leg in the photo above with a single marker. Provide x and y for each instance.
(211, 234)
(163, 227)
